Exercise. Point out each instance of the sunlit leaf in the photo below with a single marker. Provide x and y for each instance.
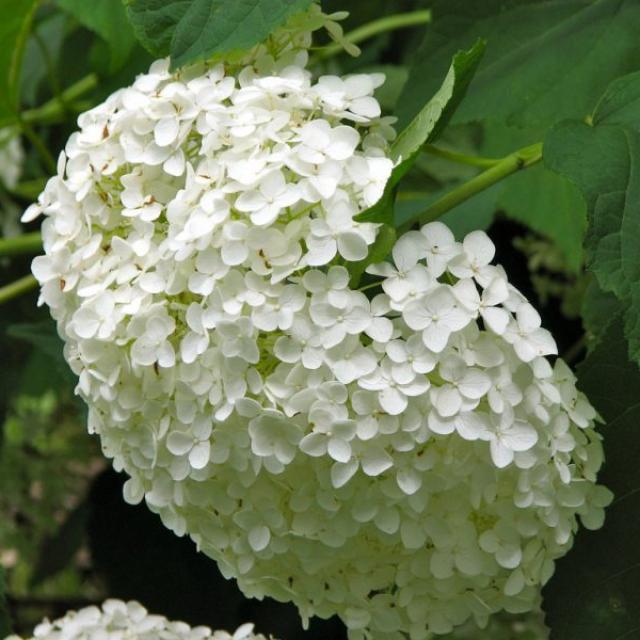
(191, 30)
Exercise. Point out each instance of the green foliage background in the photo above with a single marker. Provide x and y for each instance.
(483, 80)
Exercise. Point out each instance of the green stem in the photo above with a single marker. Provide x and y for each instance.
(17, 288)
(460, 158)
(366, 31)
(371, 285)
(26, 243)
(55, 108)
(515, 161)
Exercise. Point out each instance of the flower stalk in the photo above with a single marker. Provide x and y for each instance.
(460, 158)
(17, 288)
(516, 161)
(19, 245)
(53, 109)
(376, 27)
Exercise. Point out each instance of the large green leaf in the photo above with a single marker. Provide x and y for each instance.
(14, 30)
(108, 19)
(154, 22)
(425, 127)
(603, 160)
(621, 103)
(595, 592)
(599, 310)
(546, 59)
(191, 30)
(549, 204)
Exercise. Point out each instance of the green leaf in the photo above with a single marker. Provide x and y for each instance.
(621, 103)
(438, 110)
(600, 160)
(108, 19)
(595, 591)
(603, 160)
(599, 310)
(424, 128)
(546, 59)
(549, 204)
(192, 30)
(154, 22)
(15, 24)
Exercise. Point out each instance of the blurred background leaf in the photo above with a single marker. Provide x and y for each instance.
(108, 19)
(14, 30)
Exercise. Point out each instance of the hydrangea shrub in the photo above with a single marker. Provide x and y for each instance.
(406, 456)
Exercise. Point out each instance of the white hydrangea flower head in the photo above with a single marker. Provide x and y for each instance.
(408, 461)
(115, 620)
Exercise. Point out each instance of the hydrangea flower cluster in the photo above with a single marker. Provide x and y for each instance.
(408, 460)
(116, 620)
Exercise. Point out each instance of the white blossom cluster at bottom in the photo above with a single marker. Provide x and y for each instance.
(117, 620)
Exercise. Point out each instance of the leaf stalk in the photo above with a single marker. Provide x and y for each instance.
(376, 27)
(460, 158)
(20, 245)
(55, 108)
(516, 161)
